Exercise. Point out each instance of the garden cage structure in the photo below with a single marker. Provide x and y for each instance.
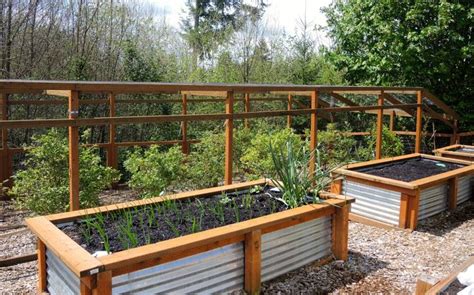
(315, 101)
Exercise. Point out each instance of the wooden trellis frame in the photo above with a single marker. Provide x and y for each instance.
(223, 93)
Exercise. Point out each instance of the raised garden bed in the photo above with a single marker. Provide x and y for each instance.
(234, 250)
(400, 191)
(457, 151)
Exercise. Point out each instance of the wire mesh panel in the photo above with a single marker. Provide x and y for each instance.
(372, 202)
(290, 248)
(216, 271)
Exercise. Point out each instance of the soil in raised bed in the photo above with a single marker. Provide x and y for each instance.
(464, 150)
(172, 219)
(410, 169)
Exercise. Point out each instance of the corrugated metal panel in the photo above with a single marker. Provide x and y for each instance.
(290, 248)
(60, 280)
(433, 200)
(464, 188)
(216, 271)
(373, 202)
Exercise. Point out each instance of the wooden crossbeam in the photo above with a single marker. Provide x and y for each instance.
(63, 93)
(395, 101)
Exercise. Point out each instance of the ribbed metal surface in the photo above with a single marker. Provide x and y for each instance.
(373, 202)
(216, 271)
(60, 280)
(433, 200)
(464, 188)
(290, 248)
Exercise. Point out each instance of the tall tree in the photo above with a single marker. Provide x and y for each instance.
(210, 22)
(407, 43)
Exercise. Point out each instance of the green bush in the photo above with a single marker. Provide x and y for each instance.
(43, 185)
(335, 147)
(391, 145)
(152, 171)
(257, 160)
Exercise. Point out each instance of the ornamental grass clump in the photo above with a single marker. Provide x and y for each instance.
(294, 179)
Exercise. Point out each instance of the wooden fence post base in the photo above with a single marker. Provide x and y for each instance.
(104, 283)
(340, 231)
(423, 284)
(253, 255)
(42, 285)
(413, 209)
(453, 193)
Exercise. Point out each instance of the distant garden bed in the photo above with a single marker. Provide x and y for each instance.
(457, 151)
(402, 190)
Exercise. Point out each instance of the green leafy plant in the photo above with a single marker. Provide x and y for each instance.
(98, 224)
(43, 185)
(127, 235)
(391, 145)
(295, 180)
(153, 171)
(335, 147)
(257, 160)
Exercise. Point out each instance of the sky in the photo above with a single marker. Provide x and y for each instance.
(280, 13)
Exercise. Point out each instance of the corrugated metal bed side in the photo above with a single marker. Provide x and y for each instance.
(372, 202)
(433, 200)
(465, 188)
(216, 271)
(60, 280)
(290, 248)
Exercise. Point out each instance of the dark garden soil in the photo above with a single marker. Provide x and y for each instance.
(171, 219)
(464, 150)
(410, 170)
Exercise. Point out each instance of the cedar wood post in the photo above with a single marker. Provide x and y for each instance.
(340, 225)
(453, 192)
(246, 108)
(4, 155)
(419, 115)
(455, 136)
(229, 126)
(73, 100)
(392, 121)
(253, 255)
(313, 130)
(288, 118)
(378, 142)
(112, 160)
(184, 125)
(42, 284)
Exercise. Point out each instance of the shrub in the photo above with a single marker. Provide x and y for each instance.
(43, 185)
(152, 171)
(257, 160)
(391, 145)
(335, 147)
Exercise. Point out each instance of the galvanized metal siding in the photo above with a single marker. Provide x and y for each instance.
(216, 271)
(60, 280)
(464, 188)
(433, 200)
(290, 248)
(372, 202)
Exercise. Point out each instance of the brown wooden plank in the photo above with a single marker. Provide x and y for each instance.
(288, 107)
(229, 130)
(413, 210)
(104, 283)
(246, 108)
(379, 128)
(85, 285)
(364, 220)
(341, 232)
(18, 259)
(392, 121)
(184, 126)
(453, 184)
(419, 117)
(4, 152)
(205, 93)
(112, 152)
(64, 93)
(313, 133)
(42, 284)
(253, 258)
(77, 259)
(336, 186)
(404, 210)
(424, 284)
(73, 152)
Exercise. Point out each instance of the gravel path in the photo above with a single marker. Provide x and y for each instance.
(380, 261)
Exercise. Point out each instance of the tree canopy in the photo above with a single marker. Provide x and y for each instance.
(407, 43)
